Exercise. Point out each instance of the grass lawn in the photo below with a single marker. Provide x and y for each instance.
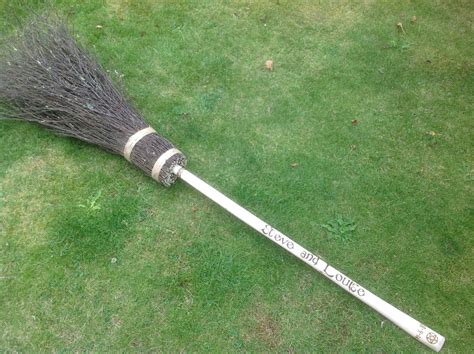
(358, 145)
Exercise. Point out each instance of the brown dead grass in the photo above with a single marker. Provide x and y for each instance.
(267, 328)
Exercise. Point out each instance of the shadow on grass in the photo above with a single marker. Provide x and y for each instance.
(93, 230)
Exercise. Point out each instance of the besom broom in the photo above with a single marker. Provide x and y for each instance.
(47, 78)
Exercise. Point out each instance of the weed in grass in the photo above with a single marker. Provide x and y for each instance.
(340, 228)
(398, 44)
(91, 203)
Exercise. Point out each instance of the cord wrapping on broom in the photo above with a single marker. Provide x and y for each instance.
(160, 162)
(135, 138)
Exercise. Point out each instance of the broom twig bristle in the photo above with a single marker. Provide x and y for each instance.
(48, 78)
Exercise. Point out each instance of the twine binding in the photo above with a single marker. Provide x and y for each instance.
(161, 161)
(134, 139)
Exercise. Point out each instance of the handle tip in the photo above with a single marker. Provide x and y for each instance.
(439, 345)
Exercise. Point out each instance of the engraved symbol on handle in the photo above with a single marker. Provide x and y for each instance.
(432, 338)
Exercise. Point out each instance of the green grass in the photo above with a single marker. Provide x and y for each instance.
(96, 256)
